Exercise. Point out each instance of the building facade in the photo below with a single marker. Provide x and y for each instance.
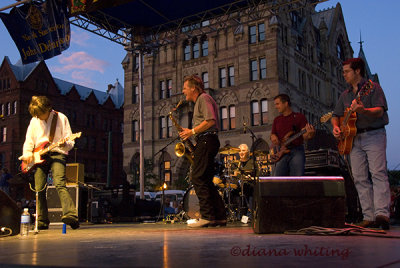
(245, 61)
(95, 113)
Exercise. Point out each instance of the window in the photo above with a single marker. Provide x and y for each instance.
(263, 68)
(204, 46)
(165, 169)
(222, 77)
(204, 77)
(264, 112)
(165, 124)
(255, 113)
(256, 33)
(232, 117)
(3, 109)
(162, 90)
(169, 127)
(258, 69)
(231, 71)
(8, 108)
(137, 62)
(253, 70)
(3, 134)
(186, 51)
(135, 94)
(135, 130)
(196, 49)
(15, 107)
(224, 118)
(169, 88)
(252, 34)
(228, 117)
(339, 49)
(261, 32)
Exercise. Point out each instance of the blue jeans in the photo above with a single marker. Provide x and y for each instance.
(56, 163)
(369, 156)
(292, 163)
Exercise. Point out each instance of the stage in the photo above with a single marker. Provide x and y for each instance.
(176, 245)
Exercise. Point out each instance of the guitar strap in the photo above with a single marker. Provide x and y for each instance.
(53, 127)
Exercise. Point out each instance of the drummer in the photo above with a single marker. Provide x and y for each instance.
(245, 166)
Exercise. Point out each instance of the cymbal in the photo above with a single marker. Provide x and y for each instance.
(229, 150)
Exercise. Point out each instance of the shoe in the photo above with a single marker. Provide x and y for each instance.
(218, 223)
(71, 221)
(382, 222)
(43, 225)
(366, 224)
(200, 223)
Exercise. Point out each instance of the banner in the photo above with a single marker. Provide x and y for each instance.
(40, 30)
(77, 7)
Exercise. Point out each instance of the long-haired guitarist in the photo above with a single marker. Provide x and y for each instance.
(291, 156)
(368, 151)
(38, 133)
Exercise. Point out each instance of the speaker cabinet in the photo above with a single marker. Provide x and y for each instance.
(292, 203)
(74, 172)
(78, 195)
(10, 214)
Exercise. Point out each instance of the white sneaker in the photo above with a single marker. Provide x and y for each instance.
(199, 223)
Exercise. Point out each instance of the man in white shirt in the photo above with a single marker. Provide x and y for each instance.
(39, 132)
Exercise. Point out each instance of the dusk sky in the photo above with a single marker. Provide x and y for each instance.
(95, 62)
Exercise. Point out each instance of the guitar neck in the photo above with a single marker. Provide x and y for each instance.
(49, 148)
(292, 138)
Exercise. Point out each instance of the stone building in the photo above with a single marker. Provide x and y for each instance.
(245, 60)
(95, 113)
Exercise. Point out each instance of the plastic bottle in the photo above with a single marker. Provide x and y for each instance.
(25, 222)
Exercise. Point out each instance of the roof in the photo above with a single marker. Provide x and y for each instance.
(22, 72)
(325, 15)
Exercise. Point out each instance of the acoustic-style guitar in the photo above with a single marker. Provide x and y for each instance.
(347, 122)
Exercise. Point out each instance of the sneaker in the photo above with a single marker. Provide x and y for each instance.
(366, 224)
(71, 221)
(200, 223)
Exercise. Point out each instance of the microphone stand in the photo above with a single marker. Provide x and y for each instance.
(162, 149)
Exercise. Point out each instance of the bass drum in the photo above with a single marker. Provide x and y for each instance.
(191, 204)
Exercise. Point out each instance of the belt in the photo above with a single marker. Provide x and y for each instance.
(203, 134)
(362, 130)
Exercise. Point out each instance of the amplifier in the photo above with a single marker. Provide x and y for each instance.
(324, 158)
(74, 173)
(78, 195)
(292, 203)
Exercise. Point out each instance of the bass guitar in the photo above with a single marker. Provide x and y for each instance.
(277, 152)
(43, 149)
(347, 122)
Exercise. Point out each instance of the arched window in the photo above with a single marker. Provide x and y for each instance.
(255, 113)
(135, 130)
(339, 49)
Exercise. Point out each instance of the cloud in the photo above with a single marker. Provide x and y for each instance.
(80, 38)
(79, 61)
(82, 78)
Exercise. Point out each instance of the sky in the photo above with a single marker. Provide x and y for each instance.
(95, 62)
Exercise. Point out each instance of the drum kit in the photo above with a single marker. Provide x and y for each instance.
(234, 182)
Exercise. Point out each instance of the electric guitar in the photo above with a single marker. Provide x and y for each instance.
(348, 122)
(277, 152)
(43, 149)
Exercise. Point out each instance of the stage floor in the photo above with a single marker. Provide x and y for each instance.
(176, 245)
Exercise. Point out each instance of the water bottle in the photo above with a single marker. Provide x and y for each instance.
(25, 222)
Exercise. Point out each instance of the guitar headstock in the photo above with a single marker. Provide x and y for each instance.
(325, 118)
(75, 135)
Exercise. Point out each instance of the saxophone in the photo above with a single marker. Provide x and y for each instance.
(185, 147)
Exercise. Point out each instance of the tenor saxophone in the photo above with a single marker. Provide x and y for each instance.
(185, 147)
